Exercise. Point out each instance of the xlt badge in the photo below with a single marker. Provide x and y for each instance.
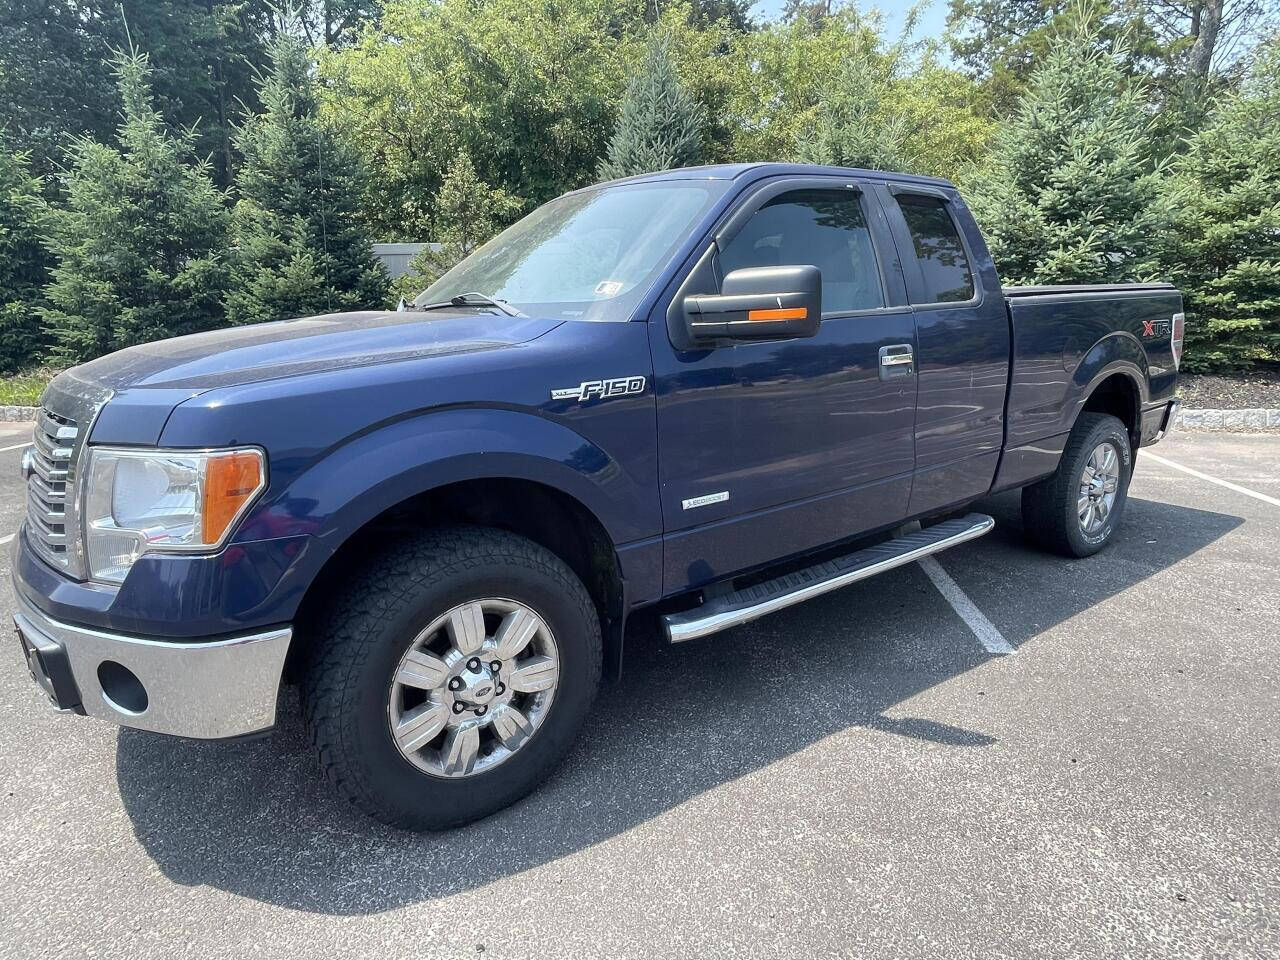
(616, 387)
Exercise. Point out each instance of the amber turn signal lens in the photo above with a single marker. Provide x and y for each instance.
(784, 313)
(231, 480)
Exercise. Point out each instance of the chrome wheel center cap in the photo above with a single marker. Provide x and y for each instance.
(478, 688)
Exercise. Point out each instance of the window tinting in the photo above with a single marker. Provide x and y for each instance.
(938, 249)
(825, 228)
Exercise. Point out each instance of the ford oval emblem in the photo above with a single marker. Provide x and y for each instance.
(28, 465)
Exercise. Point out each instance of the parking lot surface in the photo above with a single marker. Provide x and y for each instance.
(858, 776)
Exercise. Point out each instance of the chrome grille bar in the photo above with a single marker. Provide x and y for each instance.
(52, 450)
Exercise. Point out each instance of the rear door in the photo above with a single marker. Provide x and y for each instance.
(771, 448)
(962, 358)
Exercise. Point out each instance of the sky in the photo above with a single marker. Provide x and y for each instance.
(932, 18)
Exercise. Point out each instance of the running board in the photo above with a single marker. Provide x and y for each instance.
(743, 606)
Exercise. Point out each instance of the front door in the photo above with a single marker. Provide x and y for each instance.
(767, 449)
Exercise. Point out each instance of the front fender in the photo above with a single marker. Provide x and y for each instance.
(356, 481)
(328, 501)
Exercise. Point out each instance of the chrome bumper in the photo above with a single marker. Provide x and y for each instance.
(208, 690)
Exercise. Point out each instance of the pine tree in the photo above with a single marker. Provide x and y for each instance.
(856, 124)
(658, 123)
(24, 264)
(141, 240)
(1071, 194)
(468, 212)
(299, 247)
(1225, 249)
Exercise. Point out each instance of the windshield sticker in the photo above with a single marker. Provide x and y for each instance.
(608, 288)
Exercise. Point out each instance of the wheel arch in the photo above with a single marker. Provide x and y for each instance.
(538, 511)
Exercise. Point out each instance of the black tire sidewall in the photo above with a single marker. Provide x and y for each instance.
(1109, 429)
(433, 801)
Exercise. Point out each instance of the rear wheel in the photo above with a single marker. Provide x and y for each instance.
(452, 676)
(1077, 510)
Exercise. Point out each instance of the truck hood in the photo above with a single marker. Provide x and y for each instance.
(268, 351)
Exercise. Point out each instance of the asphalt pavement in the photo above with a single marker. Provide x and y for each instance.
(858, 776)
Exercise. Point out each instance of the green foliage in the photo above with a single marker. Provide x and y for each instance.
(836, 91)
(53, 82)
(299, 246)
(1225, 249)
(24, 389)
(469, 213)
(141, 239)
(1071, 195)
(658, 123)
(23, 262)
(523, 88)
(55, 85)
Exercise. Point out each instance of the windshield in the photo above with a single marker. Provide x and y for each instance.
(589, 255)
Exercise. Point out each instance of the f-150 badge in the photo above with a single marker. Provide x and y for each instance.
(604, 389)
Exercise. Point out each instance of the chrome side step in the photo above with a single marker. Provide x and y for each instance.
(750, 603)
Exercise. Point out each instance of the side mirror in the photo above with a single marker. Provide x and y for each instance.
(759, 303)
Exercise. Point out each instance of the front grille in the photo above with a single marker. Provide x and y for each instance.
(49, 490)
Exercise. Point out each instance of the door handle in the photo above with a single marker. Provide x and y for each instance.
(897, 360)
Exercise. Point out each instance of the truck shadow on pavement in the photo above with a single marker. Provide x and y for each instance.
(255, 819)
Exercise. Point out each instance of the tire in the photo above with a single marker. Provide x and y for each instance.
(350, 702)
(1051, 516)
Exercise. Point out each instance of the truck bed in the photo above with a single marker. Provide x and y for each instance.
(1063, 335)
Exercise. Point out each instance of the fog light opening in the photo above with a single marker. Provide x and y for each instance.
(121, 689)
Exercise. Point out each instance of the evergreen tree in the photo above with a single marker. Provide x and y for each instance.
(1071, 194)
(141, 240)
(1225, 250)
(857, 124)
(23, 262)
(658, 123)
(299, 247)
(468, 212)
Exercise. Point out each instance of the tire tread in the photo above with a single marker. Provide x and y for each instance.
(361, 612)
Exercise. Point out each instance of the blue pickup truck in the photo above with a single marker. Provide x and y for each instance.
(705, 394)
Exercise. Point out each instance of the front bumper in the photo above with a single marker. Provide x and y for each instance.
(208, 689)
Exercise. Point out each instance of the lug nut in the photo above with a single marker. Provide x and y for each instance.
(455, 683)
(481, 711)
(502, 688)
(474, 664)
(495, 666)
(459, 706)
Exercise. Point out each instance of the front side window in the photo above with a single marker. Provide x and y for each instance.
(825, 228)
(588, 255)
(943, 264)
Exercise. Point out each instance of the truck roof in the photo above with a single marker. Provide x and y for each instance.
(735, 171)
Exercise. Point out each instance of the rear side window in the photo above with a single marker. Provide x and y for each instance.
(947, 277)
(825, 228)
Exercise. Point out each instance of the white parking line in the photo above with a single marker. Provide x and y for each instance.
(1222, 483)
(4, 540)
(990, 638)
(16, 446)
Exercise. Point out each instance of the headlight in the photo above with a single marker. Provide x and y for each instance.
(149, 501)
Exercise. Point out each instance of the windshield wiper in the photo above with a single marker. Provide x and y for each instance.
(471, 300)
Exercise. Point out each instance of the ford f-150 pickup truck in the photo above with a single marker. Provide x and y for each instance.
(708, 393)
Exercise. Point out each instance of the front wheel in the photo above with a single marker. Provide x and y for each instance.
(1077, 510)
(452, 676)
